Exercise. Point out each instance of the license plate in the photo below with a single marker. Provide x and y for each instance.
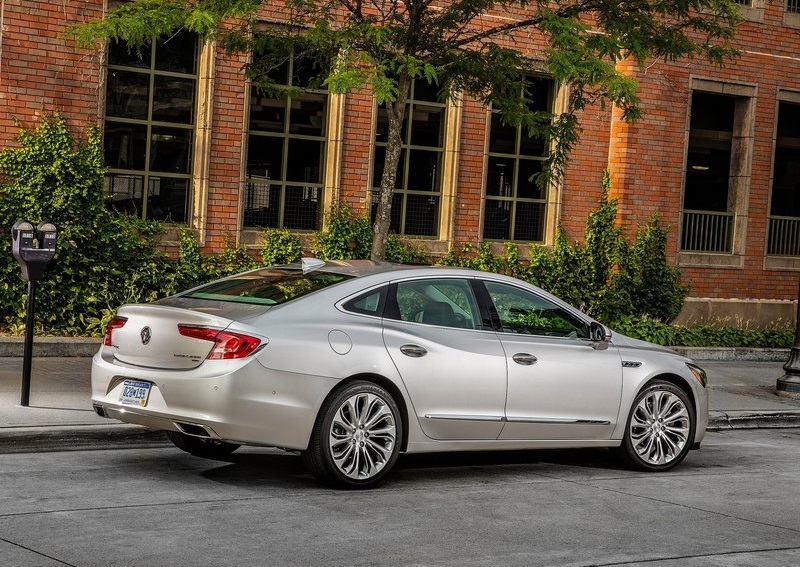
(135, 393)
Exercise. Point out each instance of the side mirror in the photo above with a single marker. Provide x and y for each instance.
(600, 335)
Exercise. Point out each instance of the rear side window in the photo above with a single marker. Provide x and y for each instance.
(266, 287)
(370, 303)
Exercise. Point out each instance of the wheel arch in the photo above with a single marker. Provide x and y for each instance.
(387, 385)
(675, 380)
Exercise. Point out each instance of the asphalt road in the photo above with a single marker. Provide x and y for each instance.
(735, 502)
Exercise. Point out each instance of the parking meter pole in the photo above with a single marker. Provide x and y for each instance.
(27, 354)
(790, 381)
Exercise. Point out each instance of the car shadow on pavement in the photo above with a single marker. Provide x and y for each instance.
(254, 467)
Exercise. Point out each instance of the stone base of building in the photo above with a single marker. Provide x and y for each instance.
(743, 313)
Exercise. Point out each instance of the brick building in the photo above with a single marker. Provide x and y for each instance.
(717, 154)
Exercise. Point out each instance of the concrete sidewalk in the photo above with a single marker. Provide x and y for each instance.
(60, 416)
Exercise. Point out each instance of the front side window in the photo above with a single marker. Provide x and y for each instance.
(515, 204)
(524, 312)
(439, 302)
(285, 150)
(149, 127)
(417, 191)
(784, 219)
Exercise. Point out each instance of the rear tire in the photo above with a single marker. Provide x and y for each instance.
(660, 429)
(356, 438)
(200, 447)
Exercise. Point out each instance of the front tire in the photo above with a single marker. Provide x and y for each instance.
(660, 428)
(356, 439)
(200, 447)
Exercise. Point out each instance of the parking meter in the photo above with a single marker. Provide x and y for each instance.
(33, 247)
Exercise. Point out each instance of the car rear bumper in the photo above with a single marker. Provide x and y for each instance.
(238, 401)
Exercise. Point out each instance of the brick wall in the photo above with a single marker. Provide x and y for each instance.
(43, 71)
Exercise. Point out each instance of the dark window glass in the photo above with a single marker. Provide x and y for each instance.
(120, 54)
(286, 147)
(177, 53)
(166, 199)
(422, 140)
(514, 206)
(422, 215)
(125, 145)
(173, 100)
(304, 160)
(265, 157)
(125, 193)
(127, 94)
(528, 221)
(301, 207)
(527, 187)
(707, 224)
(170, 149)
(439, 302)
(371, 303)
(426, 126)
(308, 115)
(157, 83)
(500, 177)
(521, 311)
(269, 286)
(423, 171)
(784, 222)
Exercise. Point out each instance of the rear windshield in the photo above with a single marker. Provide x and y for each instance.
(266, 287)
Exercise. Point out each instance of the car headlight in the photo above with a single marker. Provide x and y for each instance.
(698, 373)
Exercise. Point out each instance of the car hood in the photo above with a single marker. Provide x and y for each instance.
(624, 341)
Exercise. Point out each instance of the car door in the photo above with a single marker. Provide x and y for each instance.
(453, 368)
(561, 384)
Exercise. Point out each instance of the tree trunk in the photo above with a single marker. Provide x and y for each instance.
(383, 216)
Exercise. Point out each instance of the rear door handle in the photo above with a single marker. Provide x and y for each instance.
(524, 358)
(414, 351)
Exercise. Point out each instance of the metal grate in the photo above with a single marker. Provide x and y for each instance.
(793, 6)
(784, 236)
(705, 231)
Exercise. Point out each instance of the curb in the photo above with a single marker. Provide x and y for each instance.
(725, 420)
(50, 346)
(126, 436)
(79, 438)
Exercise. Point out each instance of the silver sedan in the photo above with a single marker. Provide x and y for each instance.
(351, 363)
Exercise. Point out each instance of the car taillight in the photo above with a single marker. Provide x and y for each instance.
(115, 323)
(227, 344)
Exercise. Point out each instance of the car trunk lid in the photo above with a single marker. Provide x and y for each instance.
(150, 337)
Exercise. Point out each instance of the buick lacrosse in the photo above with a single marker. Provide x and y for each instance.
(351, 363)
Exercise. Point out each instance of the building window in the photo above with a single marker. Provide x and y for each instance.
(784, 220)
(149, 127)
(707, 220)
(793, 6)
(515, 205)
(417, 192)
(285, 149)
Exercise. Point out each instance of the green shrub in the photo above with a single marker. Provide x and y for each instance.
(102, 260)
(656, 331)
(280, 246)
(348, 236)
(604, 276)
(194, 268)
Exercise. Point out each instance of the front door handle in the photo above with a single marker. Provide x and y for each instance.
(524, 358)
(414, 351)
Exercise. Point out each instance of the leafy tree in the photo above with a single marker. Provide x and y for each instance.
(387, 44)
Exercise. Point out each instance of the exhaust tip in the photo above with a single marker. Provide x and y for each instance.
(192, 429)
(100, 410)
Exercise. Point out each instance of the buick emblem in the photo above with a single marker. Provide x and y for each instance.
(146, 335)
